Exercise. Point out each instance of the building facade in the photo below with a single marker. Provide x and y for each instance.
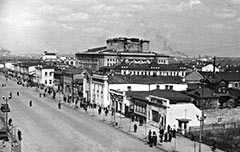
(117, 51)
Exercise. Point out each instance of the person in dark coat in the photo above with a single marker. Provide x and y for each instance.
(106, 111)
(170, 135)
(174, 133)
(30, 103)
(166, 137)
(17, 93)
(135, 127)
(99, 110)
(161, 133)
(149, 137)
(154, 137)
(168, 128)
(59, 105)
(10, 122)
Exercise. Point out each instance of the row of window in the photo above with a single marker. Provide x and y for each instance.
(111, 59)
(46, 82)
(140, 108)
(152, 73)
(50, 73)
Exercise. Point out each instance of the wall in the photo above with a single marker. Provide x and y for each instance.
(178, 111)
(146, 87)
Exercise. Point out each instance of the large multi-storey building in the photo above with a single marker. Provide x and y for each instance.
(117, 50)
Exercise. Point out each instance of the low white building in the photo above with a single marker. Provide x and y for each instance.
(49, 56)
(164, 107)
(102, 85)
(44, 75)
(210, 68)
(183, 115)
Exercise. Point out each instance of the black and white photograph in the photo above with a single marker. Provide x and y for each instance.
(119, 75)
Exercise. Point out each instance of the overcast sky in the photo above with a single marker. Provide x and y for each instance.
(193, 27)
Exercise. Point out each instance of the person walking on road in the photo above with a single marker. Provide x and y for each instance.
(154, 137)
(17, 93)
(99, 110)
(30, 103)
(135, 127)
(59, 105)
(161, 133)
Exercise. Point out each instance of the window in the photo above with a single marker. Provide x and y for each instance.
(45, 81)
(155, 116)
(236, 84)
(45, 73)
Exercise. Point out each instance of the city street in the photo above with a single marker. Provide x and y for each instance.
(45, 128)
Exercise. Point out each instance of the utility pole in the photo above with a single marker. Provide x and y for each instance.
(6, 110)
(201, 119)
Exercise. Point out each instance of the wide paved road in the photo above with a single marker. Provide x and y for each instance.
(46, 128)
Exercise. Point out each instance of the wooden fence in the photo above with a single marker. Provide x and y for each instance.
(216, 126)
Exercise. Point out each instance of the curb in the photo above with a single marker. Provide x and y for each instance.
(125, 132)
(109, 124)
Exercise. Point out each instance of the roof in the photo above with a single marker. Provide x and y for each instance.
(97, 49)
(205, 93)
(143, 79)
(167, 94)
(228, 76)
(45, 67)
(73, 71)
(162, 67)
(112, 52)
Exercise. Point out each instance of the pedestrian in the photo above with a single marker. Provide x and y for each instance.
(10, 122)
(40, 95)
(59, 105)
(135, 127)
(17, 93)
(30, 103)
(174, 133)
(44, 94)
(154, 137)
(170, 135)
(213, 147)
(161, 133)
(168, 128)
(85, 107)
(19, 133)
(166, 137)
(106, 111)
(99, 110)
(149, 136)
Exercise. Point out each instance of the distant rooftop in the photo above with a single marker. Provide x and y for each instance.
(143, 79)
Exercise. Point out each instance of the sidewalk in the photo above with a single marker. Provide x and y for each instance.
(180, 144)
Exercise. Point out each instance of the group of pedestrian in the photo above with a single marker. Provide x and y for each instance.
(152, 138)
(106, 111)
(168, 135)
(4, 85)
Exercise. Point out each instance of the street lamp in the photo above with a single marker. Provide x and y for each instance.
(5, 108)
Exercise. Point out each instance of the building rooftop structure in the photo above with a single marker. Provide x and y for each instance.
(143, 79)
(173, 96)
